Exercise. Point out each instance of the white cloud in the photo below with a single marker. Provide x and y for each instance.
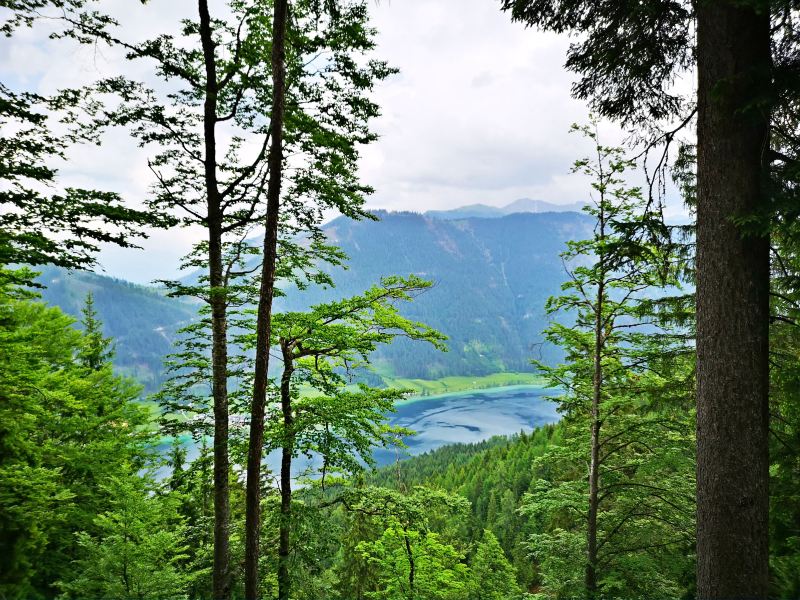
(479, 113)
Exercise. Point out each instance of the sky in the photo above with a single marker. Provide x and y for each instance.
(479, 113)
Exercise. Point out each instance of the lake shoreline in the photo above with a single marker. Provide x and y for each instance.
(489, 390)
(429, 388)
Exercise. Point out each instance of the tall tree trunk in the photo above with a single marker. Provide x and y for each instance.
(219, 359)
(732, 302)
(594, 459)
(219, 346)
(264, 316)
(284, 581)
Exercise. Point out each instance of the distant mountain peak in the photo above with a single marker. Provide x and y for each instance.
(485, 211)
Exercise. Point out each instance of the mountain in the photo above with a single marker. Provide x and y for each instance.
(141, 320)
(484, 211)
(492, 277)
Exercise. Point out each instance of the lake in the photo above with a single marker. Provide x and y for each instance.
(457, 417)
(468, 417)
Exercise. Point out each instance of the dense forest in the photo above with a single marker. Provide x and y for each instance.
(247, 467)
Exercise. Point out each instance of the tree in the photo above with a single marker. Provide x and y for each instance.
(343, 121)
(66, 429)
(97, 350)
(733, 271)
(340, 426)
(784, 408)
(137, 548)
(622, 405)
(628, 58)
(41, 222)
(280, 16)
(219, 141)
(492, 577)
(413, 561)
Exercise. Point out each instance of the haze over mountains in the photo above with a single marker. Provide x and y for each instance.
(493, 274)
(523, 205)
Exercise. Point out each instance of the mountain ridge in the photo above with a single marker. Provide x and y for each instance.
(492, 277)
(486, 211)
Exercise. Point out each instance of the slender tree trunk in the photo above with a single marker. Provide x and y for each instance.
(219, 346)
(284, 581)
(594, 459)
(264, 316)
(412, 568)
(219, 359)
(732, 302)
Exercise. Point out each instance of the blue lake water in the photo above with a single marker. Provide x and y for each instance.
(469, 417)
(462, 417)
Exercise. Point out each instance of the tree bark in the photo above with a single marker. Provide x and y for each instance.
(594, 459)
(411, 565)
(284, 580)
(266, 293)
(221, 586)
(732, 302)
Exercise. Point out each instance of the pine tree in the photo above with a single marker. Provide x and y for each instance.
(492, 577)
(136, 550)
(97, 350)
(65, 432)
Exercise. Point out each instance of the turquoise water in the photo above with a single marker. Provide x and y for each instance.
(459, 417)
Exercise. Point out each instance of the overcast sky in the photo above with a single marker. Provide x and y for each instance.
(480, 112)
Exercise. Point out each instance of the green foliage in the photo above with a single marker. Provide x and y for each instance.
(631, 53)
(40, 221)
(492, 577)
(627, 405)
(136, 549)
(324, 419)
(493, 476)
(785, 410)
(66, 429)
(96, 349)
(470, 301)
(412, 564)
(141, 319)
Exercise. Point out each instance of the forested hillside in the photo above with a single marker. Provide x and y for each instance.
(494, 476)
(491, 278)
(142, 321)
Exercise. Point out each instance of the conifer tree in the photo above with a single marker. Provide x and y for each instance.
(66, 431)
(628, 58)
(625, 406)
(492, 577)
(97, 349)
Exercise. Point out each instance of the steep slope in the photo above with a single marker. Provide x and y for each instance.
(492, 277)
(142, 321)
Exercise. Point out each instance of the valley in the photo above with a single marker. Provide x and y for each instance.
(492, 277)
